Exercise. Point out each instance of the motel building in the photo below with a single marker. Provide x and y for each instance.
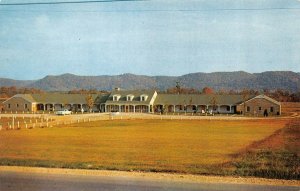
(130, 101)
(51, 102)
(145, 101)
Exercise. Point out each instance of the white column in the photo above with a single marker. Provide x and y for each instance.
(148, 108)
(230, 108)
(134, 109)
(174, 110)
(119, 108)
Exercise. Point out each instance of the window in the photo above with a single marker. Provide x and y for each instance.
(271, 109)
(25, 105)
(130, 97)
(248, 108)
(17, 105)
(8, 105)
(143, 97)
(228, 108)
(116, 97)
(259, 108)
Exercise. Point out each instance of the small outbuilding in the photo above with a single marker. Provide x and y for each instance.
(260, 105)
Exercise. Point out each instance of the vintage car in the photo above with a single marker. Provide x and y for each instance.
(63, 112)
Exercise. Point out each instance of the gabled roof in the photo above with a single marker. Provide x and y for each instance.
(101, 98)
(262, 96)
(135, 93)
(61, 98)
(197, 99)
(26, 97)
(2, 100)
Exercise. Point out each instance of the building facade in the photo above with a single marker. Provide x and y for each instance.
(51, 102)
(148, 101)
(130, 101)
(260, 105)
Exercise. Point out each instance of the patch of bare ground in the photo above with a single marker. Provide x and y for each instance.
(276, 156)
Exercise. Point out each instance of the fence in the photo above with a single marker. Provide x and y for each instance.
(44, 121)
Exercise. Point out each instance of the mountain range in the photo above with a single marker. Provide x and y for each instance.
(238, 80)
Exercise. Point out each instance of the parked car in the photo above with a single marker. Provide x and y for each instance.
(63, 112)
(113, 113)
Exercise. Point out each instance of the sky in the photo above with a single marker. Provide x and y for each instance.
(154, 37)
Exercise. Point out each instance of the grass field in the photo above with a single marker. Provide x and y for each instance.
(186, 146)
(276, 156)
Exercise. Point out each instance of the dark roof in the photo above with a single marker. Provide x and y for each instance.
(62, 98)
(197, 99)
(161, 99)
(136, 99)
(101, 98)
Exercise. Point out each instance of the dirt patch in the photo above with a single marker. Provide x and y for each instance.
(276, 156)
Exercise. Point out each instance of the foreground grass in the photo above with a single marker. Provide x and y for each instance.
(185, 146)
(277, 156)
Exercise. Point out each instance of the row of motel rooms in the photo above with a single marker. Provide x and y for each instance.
(144, 101)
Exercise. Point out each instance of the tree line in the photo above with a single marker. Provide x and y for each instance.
(7, 92)
(278, 94)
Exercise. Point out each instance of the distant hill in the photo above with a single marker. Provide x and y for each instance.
(17, 83)
(218, 80)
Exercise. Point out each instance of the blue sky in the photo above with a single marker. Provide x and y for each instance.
(167, 37)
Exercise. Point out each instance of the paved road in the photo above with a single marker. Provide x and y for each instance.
(13, 181)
